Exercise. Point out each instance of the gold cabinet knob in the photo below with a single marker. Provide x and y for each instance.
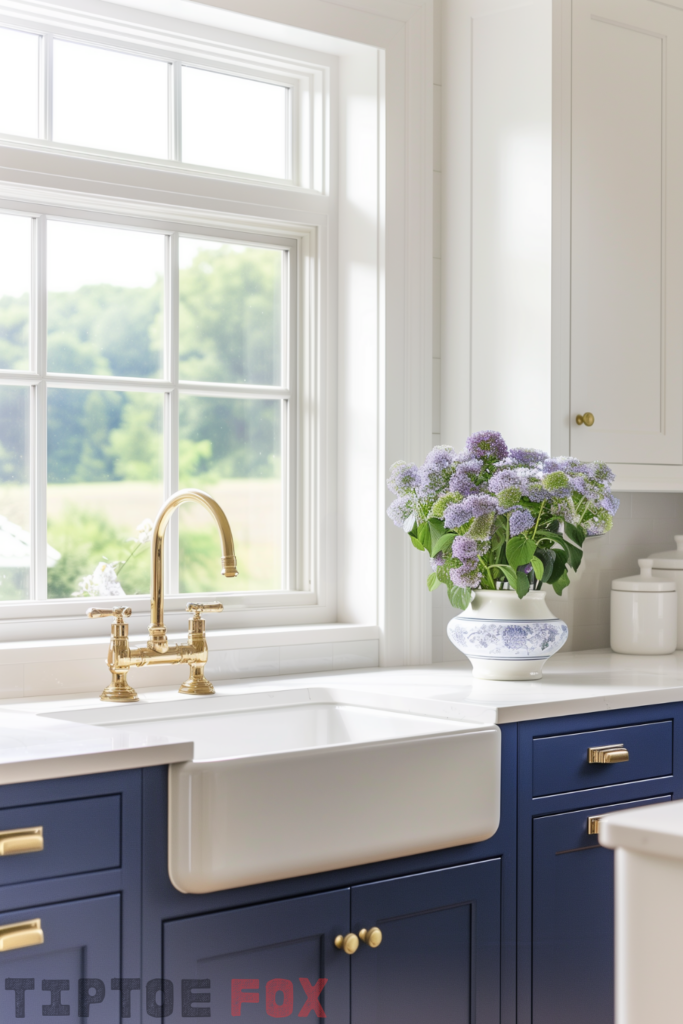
(349, 943)
(594, 825)
(588, 419)
(614, 753)
(371, 936)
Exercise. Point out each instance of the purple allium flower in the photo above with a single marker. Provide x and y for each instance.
(520, 521)
(610, 503)
(527, 456)
(600, 471)
(400, 510)
(465, 549)
(456, 516)
(462, 479)
(435, 471)
(403, 477)
(503, 479)
(465, 576)
(481, 504)
(487, 444)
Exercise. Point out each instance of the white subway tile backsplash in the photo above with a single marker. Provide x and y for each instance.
(355, 654)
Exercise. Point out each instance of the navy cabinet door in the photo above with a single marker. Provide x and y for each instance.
(273, 960)
(439, 960)
(573, 919)
(82, 941)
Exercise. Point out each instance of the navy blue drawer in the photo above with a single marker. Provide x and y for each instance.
(78, 836)
(560, 763)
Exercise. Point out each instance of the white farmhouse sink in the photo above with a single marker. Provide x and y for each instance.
(287, 783)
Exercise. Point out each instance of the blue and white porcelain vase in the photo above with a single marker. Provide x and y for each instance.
(507, 638)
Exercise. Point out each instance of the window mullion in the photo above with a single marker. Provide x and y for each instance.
(45, 114)
(38, 471)
(171, 467)
(175, 112)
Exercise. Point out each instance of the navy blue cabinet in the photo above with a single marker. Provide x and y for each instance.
(82, 942)
(573, 914)
(273, 960)
(439, 959)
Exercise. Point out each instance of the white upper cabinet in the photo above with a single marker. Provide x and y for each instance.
(563, 240)
(626, 231)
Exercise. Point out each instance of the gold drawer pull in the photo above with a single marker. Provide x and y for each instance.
(614, 753)
(23, 933)
(594, 825)
(588, 419)
(21, 840)
(349, 943)
(371, 936)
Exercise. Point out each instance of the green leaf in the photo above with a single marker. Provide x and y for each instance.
(575, 533)
(575, 555)
(519, 551)
(424, 535)
(560, 584)
(538, 567)
(523, 584)
(446, 541)
(559, 567)
(416, 543)
(436, 529)
(548, 559)
(510, 576)
(459, 597)
(432, 581)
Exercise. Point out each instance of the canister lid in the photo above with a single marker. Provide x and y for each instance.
(645, 583)
(670, 559)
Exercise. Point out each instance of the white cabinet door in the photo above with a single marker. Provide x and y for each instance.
(627, 231)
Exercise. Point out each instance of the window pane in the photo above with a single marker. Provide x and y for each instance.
(15, 285)
(19, 77)
(109, 100)
(104, 452)
(105, 300)
(230, 313)
(234, 123)
(231, 448)
(15, 546)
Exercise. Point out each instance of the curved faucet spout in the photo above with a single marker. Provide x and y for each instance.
(157, 630)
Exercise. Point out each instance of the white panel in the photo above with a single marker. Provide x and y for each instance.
(511, 223)
(626, 263)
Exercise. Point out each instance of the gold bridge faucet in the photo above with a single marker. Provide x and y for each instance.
(122, 657)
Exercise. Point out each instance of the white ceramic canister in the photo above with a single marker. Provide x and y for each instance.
(507, 638)
(668, 565)
(644, 613)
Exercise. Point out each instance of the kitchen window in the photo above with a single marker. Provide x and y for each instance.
(147, 346)
(154, 360)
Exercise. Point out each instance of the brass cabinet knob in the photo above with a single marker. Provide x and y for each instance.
(614, 753)
(349, 943)
(21, 934)
(371, 936)
(21, 840)
(594, 824)
(588, 419)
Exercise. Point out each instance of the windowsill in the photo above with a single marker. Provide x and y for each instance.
(51, 667)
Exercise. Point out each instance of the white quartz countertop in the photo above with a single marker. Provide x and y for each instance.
(656, 830)
(37, 742)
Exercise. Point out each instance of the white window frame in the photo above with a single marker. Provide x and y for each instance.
(370, 362)
(307, 83)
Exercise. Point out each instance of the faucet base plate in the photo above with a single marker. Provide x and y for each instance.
(119, 691)
(201, 687)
